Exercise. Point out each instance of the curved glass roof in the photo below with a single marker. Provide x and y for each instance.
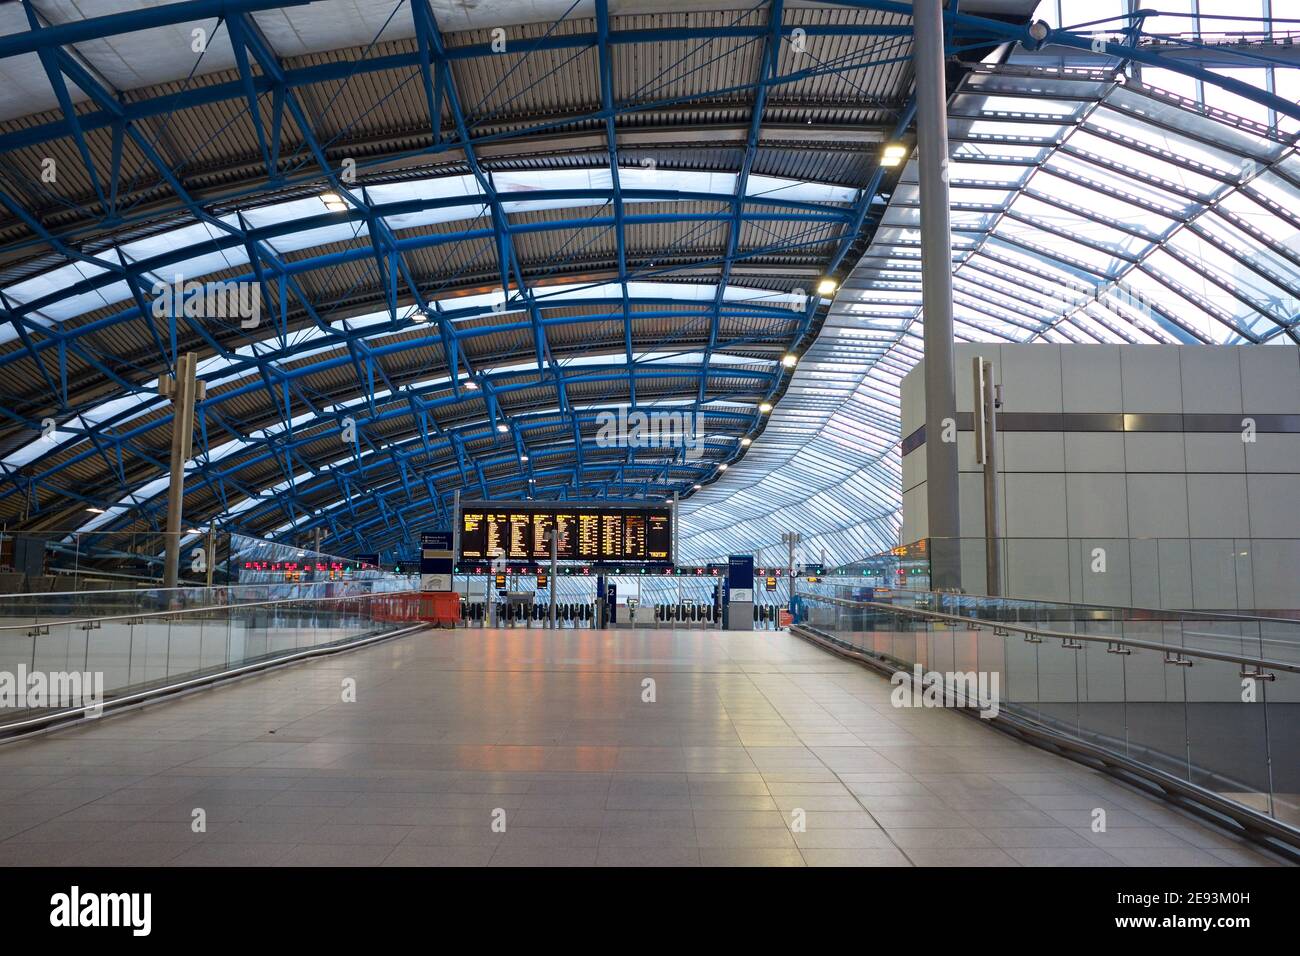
(1089, 204)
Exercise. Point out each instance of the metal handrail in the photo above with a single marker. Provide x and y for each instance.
(207, 608)
(1180, 614)
(1257, 662)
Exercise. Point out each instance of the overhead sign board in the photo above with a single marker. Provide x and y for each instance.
(436, 561)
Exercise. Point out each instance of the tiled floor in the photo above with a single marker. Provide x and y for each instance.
(548, 733)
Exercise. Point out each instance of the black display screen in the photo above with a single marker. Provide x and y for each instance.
(590, 533)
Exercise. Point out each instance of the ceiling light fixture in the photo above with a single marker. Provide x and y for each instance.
(765, 407)
(333, 202)
(746, 442)
(827, 287)
(893, 155)
(503, 428)
(789, 360)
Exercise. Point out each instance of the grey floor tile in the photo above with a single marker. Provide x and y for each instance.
(232, 854)
(414, 855)
(1165, 856)
(638, 856)
(749, 856)
(326, 854)
(857, 856)
(735, 837)
(647, 836)
(1062, 856)
(960, 856)
(1034, 837)
(543, 856)
(832, 839)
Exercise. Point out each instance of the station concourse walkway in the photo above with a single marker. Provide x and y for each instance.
(453, 730)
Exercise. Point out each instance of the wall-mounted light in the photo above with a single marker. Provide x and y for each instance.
(893, 155)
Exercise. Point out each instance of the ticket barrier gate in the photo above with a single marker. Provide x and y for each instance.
(524, 611)
(688, 614)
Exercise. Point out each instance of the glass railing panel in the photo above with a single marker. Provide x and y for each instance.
(1156, 729)
(1281, 717)
(123, 655)
(1102, 690)
(1165, 706)
(1227, 735)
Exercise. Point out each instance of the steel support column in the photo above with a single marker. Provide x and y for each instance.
(936, 295)
(986, 454)
(181, 390)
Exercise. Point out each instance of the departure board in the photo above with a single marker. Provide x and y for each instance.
(542, 525)
(496, 536)
(472, 532)
(634, 537)
(521, 535)
(588, 536)
(659, 537)
(567, 523)
(611, 537)
(590, 533)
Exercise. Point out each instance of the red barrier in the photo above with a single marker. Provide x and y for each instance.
(433, 607)
(441, 608)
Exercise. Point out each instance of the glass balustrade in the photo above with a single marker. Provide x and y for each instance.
(1212, 700)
